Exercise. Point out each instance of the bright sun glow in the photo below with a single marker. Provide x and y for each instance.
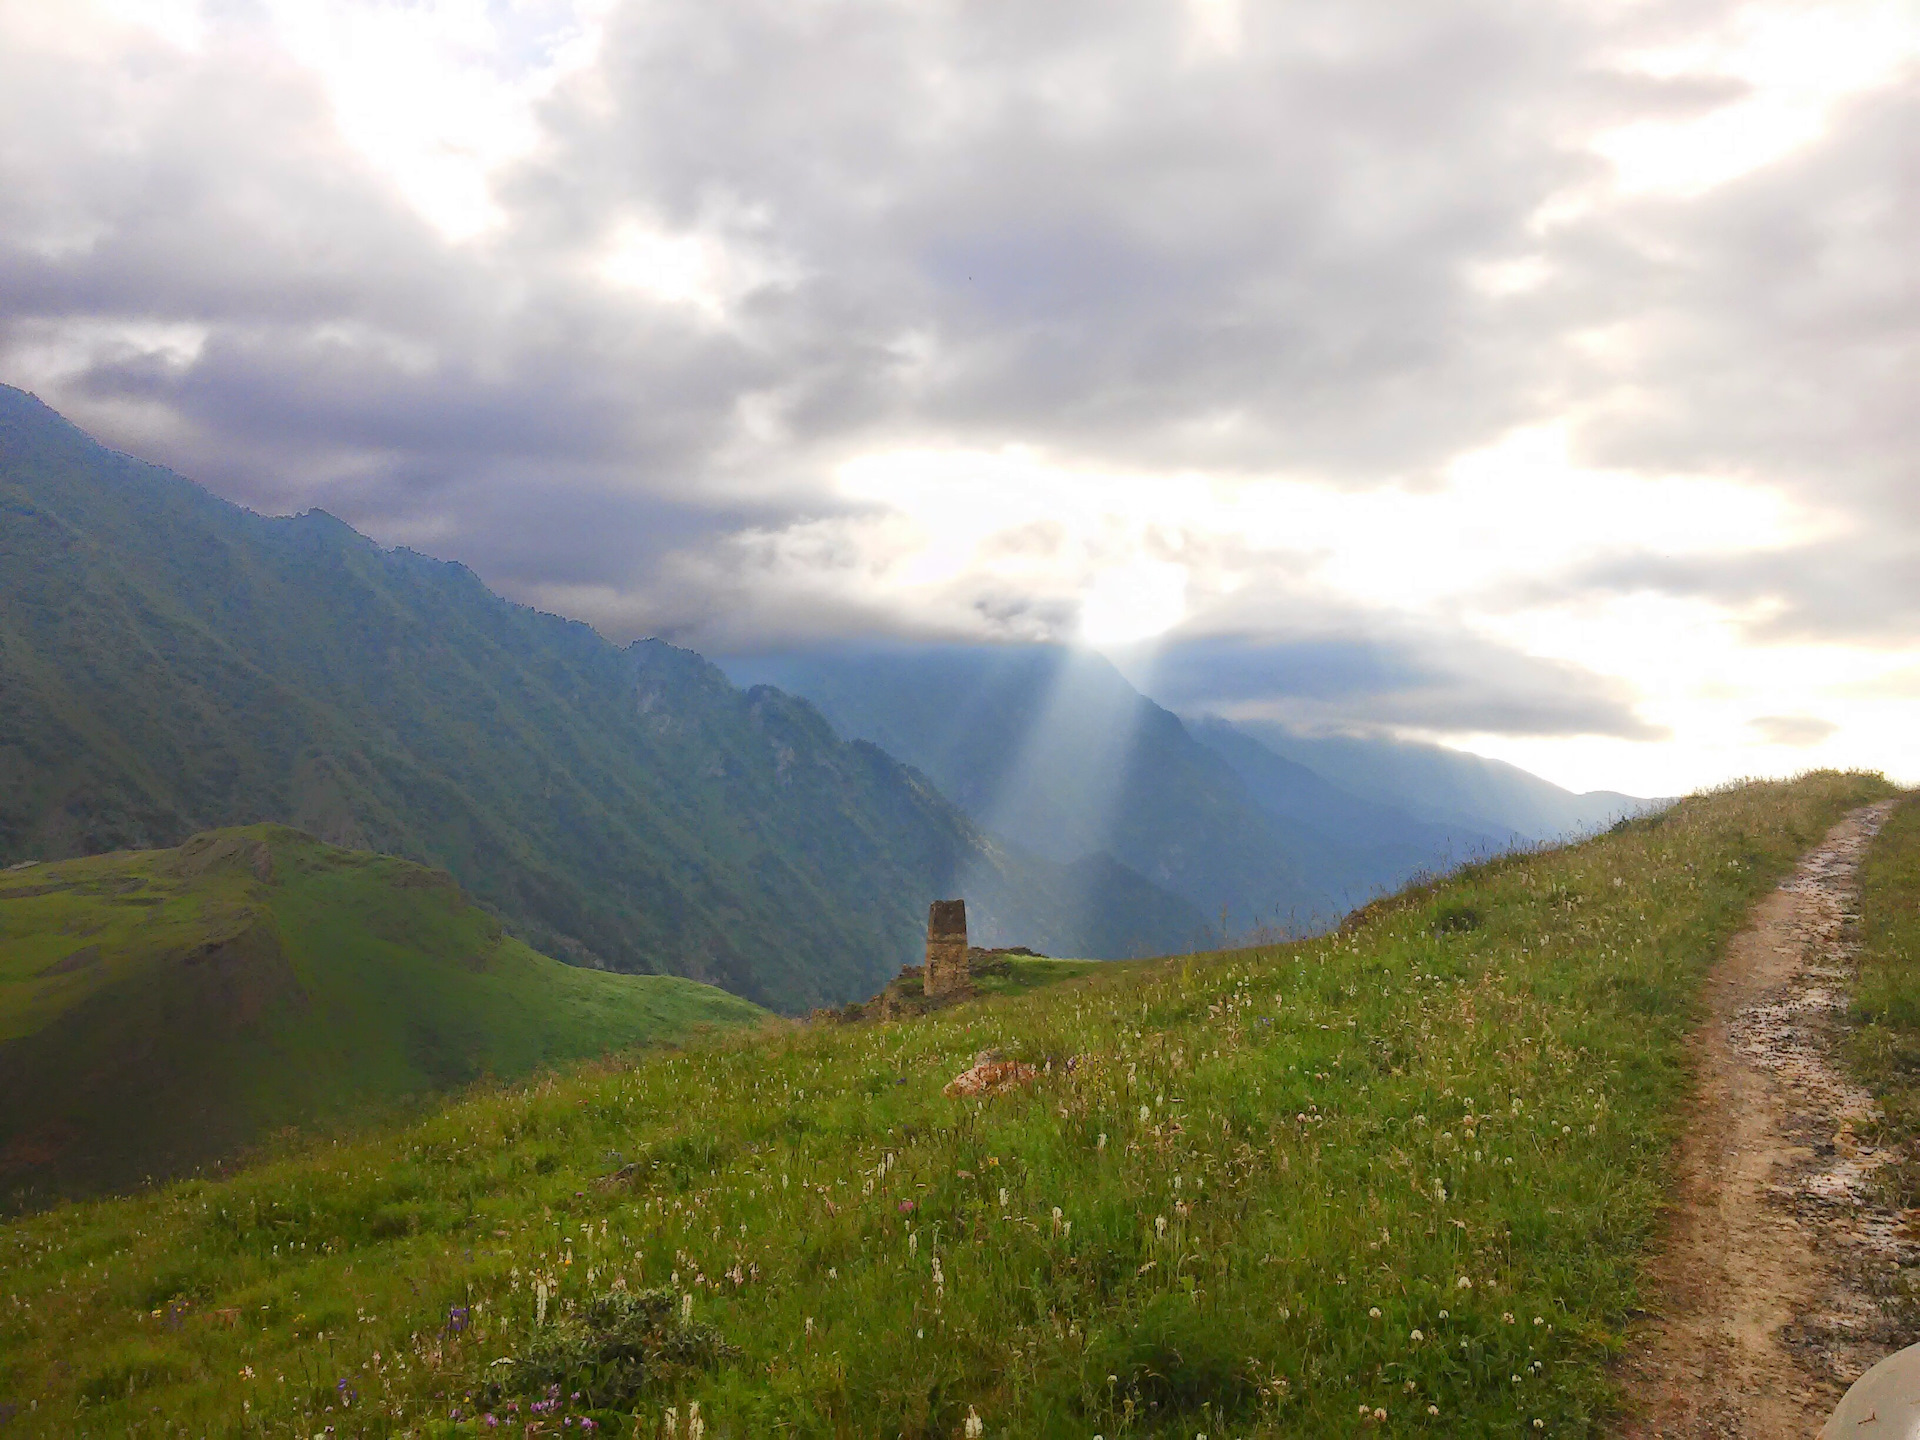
(1137, 556)
(1134, 602)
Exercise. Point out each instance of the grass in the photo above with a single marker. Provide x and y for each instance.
(1884, 1047)
(1406, 1169)
(162, 1009)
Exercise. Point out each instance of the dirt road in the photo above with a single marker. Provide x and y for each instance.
(1771, 1281)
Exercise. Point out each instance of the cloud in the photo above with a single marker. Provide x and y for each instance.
(1797, 731)
(1433, 683)
(616, 300)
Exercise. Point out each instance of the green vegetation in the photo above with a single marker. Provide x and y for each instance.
(161, 1009)
(1407, 1168)
(170, 663)
(1884, 1049)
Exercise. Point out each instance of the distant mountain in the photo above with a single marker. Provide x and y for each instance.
(1380, 845)
(170, 662)
(1447, 787)
(1055, 749)
(161, 1009)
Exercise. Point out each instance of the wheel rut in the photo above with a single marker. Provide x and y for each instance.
(1773, 1283)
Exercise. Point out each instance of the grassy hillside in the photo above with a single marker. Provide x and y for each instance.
(1885, 1044)
(1407, 1168)
(170, 663)
(162, 1008)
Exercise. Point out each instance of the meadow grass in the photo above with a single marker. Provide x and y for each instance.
(1883, 1049)
(1396, 1180)
(161, 1010)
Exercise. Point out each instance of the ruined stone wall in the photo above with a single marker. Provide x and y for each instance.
(947, 967)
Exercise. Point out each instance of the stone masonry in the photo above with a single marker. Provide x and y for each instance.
(947, 967)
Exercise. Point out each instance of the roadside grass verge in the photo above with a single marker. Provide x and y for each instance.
(1405, 1170)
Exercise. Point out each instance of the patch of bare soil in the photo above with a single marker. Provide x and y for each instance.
(1779, 1266)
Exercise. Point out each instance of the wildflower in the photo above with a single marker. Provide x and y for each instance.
(1145, 1115)
(1433, 1409)
(975, 1427)
(686, 1308)
(1506, 1317)
(1379, 1417)
(1463, 1283)
(1373, 1313)
(1416, 1337)
(809, 1324)
(1539, 1424)
(1101, 1143)
(913, 1243)
(1444, 1315)
(906, 1207)
(1003, 1197)
(1160, 1225)
(670, 1423)
(696, 1427)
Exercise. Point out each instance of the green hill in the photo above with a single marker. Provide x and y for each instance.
(161, 1009)
(171, 663)
(1410, 1167)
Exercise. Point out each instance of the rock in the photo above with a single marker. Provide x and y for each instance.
(990, 1076)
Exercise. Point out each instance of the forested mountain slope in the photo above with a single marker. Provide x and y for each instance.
(170, 663)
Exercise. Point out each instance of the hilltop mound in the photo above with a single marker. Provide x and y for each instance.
(160, 1009)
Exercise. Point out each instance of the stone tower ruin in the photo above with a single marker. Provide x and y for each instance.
(946, 969)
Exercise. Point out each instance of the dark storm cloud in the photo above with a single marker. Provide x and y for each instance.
(1436, 682)
(1068, 225)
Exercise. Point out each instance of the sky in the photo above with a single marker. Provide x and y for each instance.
(1538, 378)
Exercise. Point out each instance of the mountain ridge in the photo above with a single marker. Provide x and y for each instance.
(172, 662)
